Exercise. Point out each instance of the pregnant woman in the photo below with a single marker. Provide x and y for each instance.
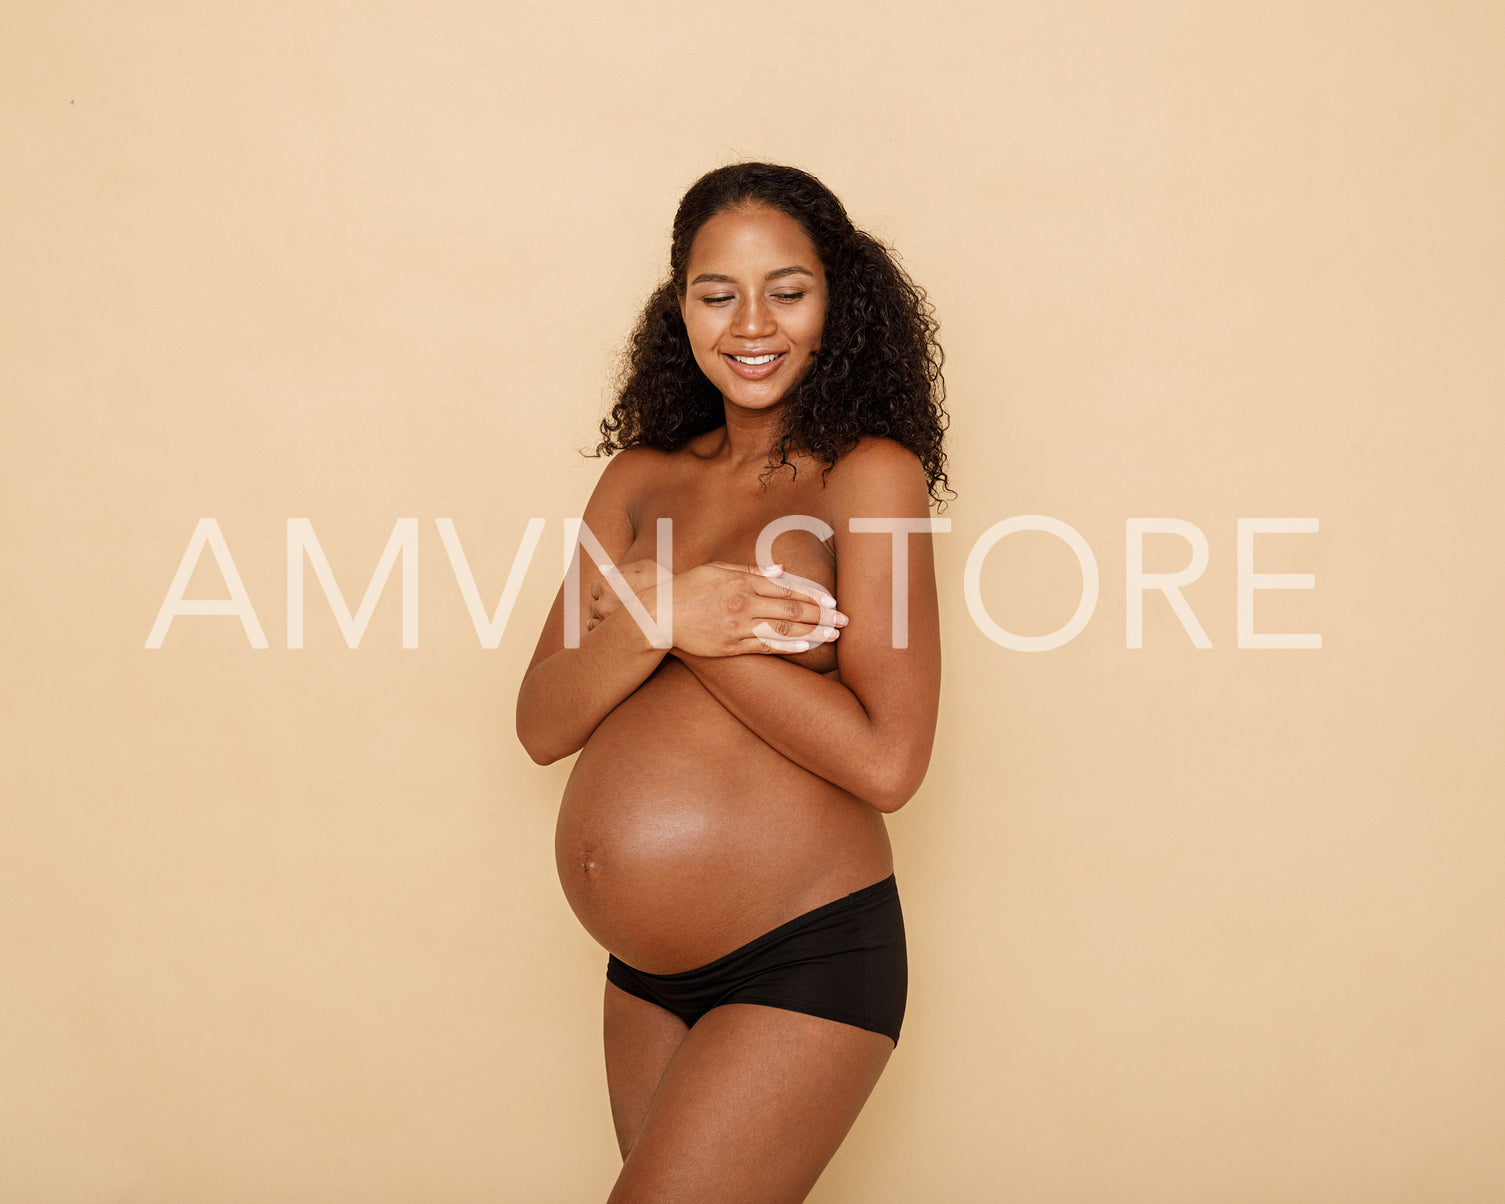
(722, 832)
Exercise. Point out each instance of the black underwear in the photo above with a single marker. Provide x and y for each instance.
(843, 961)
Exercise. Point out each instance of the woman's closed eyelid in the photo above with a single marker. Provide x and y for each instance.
(722, 298)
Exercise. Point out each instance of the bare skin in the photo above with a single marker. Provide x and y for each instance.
(749, 1106)
(734, 782)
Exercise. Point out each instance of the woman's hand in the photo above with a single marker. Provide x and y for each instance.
(870, 731)
(724, 609)
(639, 575)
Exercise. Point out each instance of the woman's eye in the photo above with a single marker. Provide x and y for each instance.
(788, 296)
(715, 300)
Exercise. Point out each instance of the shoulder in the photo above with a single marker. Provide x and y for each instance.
(640, 460)
(874, 453)
(619, 489)
(629, 468)
(635, 474)
(879, 470)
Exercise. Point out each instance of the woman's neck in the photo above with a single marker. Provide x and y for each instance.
(749, 435)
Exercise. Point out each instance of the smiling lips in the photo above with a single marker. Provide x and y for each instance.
(757, 366)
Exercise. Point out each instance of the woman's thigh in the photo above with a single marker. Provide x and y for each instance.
(750, 1108)
(640, 1038)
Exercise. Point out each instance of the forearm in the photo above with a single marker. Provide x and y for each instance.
(564, 697)
(818, 723)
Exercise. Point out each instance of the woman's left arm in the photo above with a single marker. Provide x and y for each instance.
(871, 732)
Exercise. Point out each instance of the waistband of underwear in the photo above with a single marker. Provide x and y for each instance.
(876, 894)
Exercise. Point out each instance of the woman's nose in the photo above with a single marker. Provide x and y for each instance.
(754, 317)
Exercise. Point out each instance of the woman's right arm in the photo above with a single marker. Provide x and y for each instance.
(566, 692)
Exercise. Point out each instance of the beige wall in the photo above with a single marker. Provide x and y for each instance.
(1187, 925)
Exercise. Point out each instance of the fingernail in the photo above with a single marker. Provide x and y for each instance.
(801, 646)
(840, 619)
(827, 600)
(773, 570)
(606, 568)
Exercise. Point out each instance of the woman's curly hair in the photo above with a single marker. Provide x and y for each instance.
(878, 369)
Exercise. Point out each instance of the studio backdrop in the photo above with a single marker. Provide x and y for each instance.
(307, 313)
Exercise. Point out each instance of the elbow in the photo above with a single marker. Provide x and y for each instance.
(539, 754)
(539, 747)
(888, 803)
(544, 741)
(535, 740)
(896, 780)
(535, 749)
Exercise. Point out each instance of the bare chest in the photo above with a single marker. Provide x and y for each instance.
(698, 535)
(738, 527)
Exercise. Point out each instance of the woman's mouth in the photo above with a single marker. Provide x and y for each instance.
(755, 367)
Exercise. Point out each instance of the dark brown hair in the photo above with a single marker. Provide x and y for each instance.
(878, 370)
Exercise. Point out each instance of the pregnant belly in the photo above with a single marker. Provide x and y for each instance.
(683, 835)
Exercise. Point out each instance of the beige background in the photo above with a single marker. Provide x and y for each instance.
(1186, 925)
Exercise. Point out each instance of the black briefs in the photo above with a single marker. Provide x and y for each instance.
(843, 961)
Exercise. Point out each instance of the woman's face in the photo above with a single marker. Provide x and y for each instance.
(754, 304)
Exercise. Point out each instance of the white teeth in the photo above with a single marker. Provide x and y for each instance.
(755, 359)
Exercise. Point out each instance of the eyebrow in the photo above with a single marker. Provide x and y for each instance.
(717, 278)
